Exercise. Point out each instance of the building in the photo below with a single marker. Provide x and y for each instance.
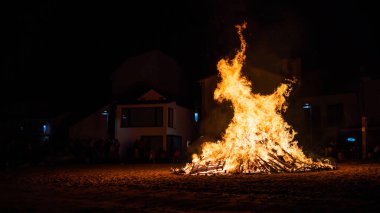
(92, 127)
(325, 116)
(28, 130)
(336, 120)
(146, 111)
(153, 123)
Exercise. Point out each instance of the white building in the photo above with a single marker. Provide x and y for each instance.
(153, 123)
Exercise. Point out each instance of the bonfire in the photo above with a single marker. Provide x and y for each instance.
(258, 139)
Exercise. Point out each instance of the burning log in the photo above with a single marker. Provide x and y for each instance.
(275, 165)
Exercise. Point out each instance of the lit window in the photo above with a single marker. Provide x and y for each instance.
(142, 117)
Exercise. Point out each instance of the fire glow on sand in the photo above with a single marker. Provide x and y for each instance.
(258, 139)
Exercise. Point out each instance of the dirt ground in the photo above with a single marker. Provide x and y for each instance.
(152, 188)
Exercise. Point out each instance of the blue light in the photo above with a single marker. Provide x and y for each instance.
(306, 106)
(196, 117)
(351, 139)
(105, 112)
(44, 127)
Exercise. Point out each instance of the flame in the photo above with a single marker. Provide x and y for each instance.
(258, 139)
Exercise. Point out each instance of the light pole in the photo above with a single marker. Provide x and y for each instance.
(363, 106)
(308, 106)
(106, 113)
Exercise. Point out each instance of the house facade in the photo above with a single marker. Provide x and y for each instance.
(139, 117)
(325, 118)
(338, 120)
(153, 125)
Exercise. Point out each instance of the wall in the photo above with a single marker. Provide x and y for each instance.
(325, 133)
(93, 126)
(371, 101)
(183, 124)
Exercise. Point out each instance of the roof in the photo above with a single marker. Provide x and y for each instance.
(155, 59)
(135, 97)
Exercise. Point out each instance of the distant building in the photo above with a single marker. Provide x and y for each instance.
(370, 101)
(29, 119)
(149, 108)
(336, 119)
(153, 123)
(92, 127)
(324, 117)
(28, 130)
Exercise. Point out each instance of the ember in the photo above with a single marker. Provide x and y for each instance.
(258, 139)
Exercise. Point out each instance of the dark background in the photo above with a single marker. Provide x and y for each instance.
(64, 52)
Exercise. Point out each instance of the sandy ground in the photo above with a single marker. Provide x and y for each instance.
(151, 188)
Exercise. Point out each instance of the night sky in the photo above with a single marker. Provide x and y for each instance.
(65, 52)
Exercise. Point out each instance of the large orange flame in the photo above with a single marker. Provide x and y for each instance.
(258, 139)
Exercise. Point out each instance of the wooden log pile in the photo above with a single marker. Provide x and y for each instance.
(275, 164)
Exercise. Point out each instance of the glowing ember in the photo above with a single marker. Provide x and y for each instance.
(258, 139)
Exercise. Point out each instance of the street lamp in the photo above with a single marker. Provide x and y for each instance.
(307, 106)
(106, 113)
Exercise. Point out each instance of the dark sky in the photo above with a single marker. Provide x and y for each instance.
(69, 49)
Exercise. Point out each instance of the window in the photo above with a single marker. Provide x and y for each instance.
(170, 117)
(141, 117)
(335, 114)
